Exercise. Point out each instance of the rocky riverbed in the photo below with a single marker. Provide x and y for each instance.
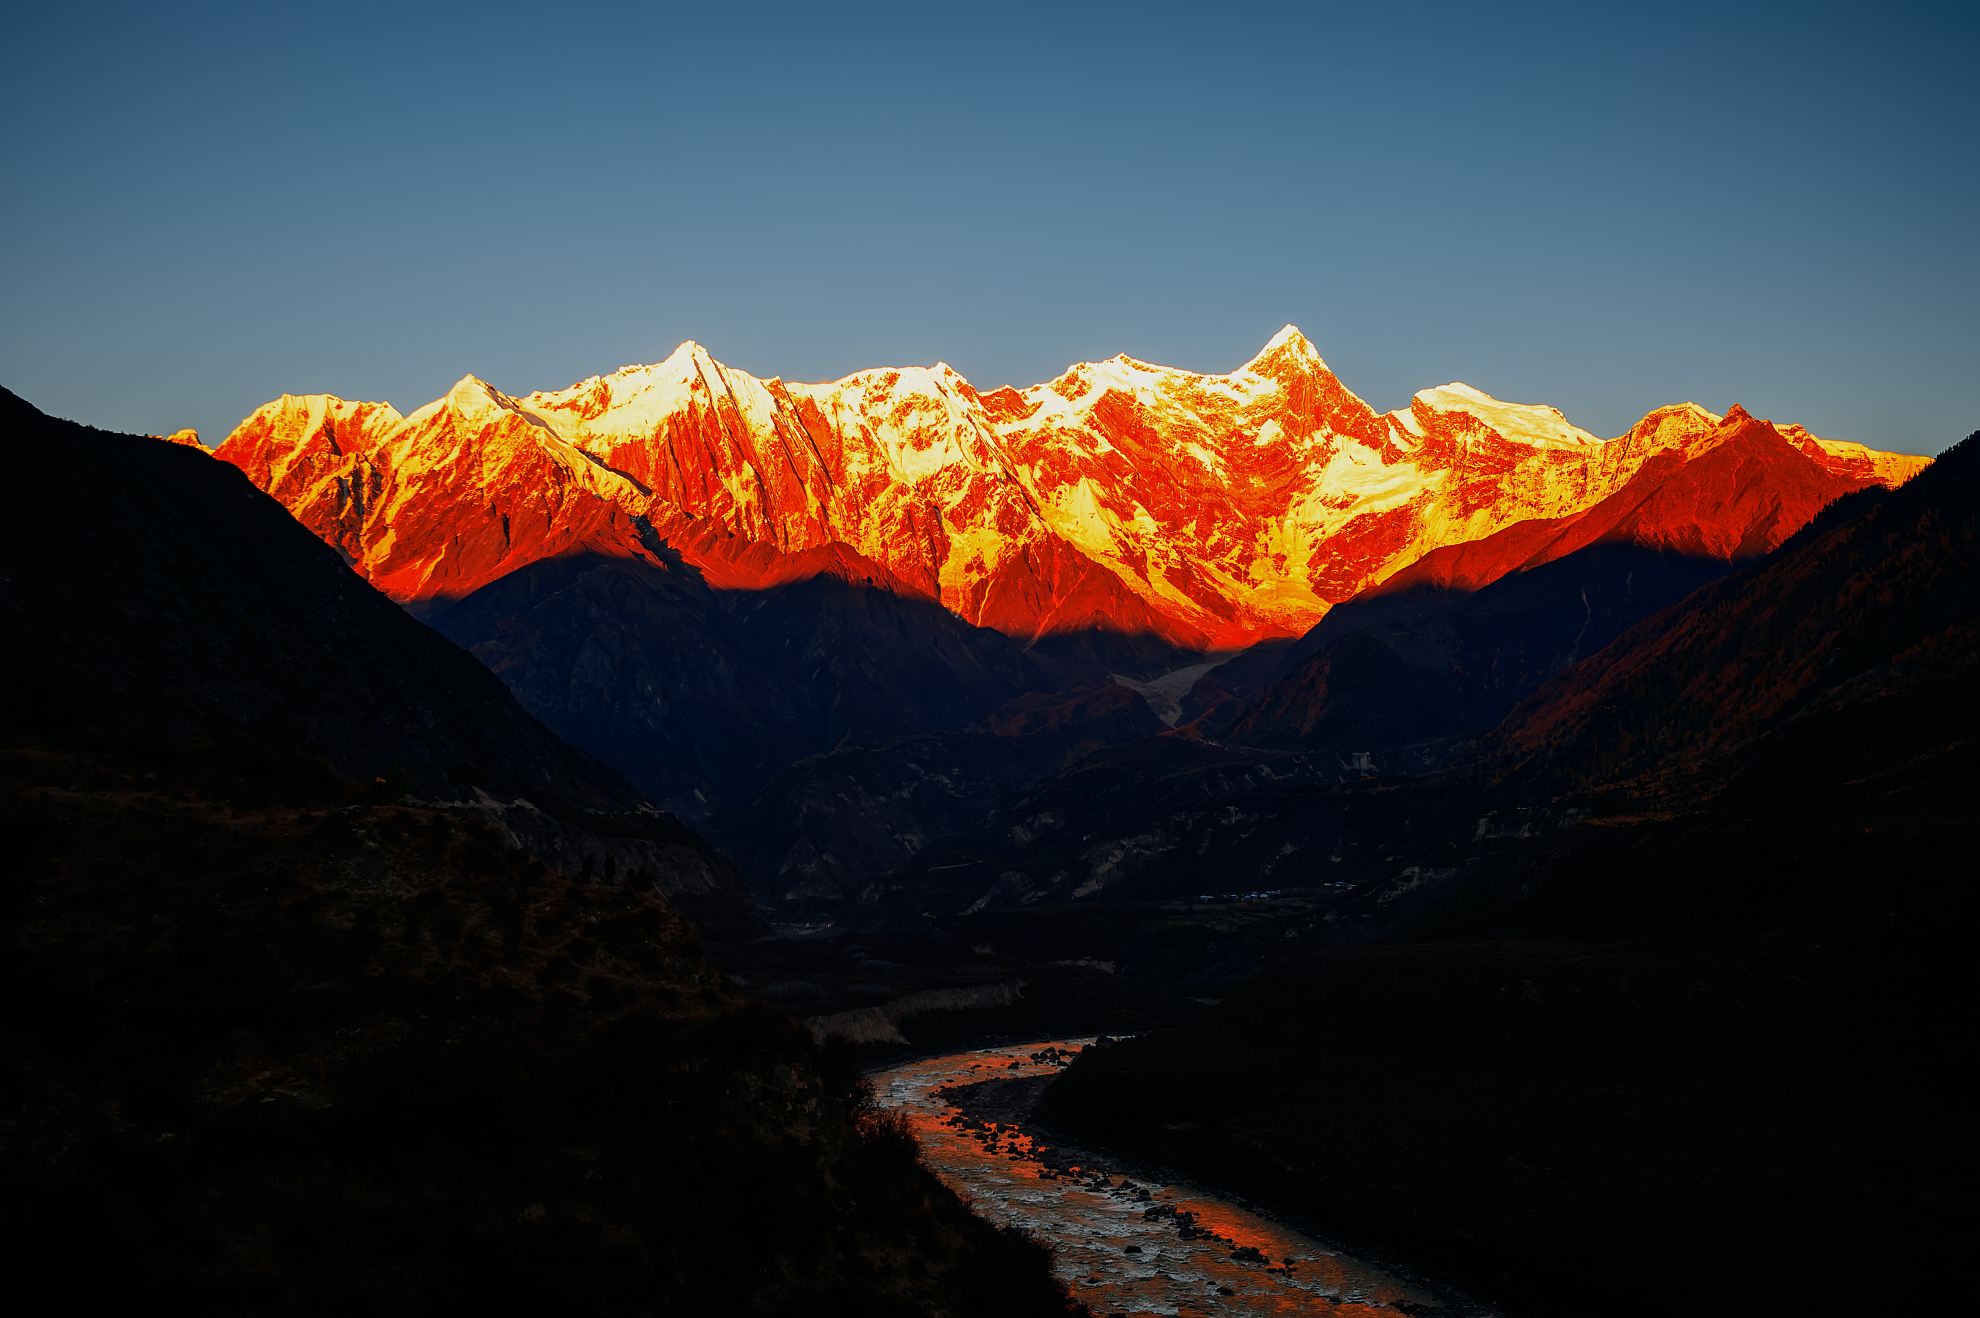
(1124, 1241)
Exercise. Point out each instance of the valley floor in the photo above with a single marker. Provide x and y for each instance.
(1730, 1113)
(1124, 1239)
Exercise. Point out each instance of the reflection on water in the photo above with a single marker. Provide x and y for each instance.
(1125, 1246)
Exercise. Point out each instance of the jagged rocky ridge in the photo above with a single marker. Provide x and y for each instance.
(838, 623)
(1209, 510)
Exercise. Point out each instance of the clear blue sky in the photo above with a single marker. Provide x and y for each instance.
(209, 205)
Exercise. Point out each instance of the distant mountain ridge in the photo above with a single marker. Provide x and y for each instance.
(1209, 511)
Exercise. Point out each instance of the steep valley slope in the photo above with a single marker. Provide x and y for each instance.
(299, 1018)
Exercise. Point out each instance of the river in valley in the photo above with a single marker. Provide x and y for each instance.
(1122, 1241)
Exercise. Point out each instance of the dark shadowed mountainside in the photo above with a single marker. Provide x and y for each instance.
(1852, 653)
(711, 580)
(822, 838)
(700, 696)
(1664, 1007)
(1440, 652)
(186, 609)
(284, 1035)
(822, 729)
(1429, 666)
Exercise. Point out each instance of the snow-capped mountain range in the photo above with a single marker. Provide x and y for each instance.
(1208, 510)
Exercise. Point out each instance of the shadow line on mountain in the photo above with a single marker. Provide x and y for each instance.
(1142, 649)
(1435, 665)
(891, 724)
(700, 692)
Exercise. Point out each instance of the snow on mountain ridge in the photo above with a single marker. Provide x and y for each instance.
(1533, 423)
(1213, 509)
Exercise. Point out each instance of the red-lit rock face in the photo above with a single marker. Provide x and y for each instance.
(1212, 510)
(1731, 490)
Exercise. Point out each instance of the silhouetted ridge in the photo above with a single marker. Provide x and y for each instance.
(1673, 982)
(190, 609)
(284, 1038)
(1874, 606)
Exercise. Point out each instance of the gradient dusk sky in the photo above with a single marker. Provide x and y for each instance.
(210, 205)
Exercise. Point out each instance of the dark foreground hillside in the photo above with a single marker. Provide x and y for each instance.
(153, 596)
(1678, 1017)
(280, 1037)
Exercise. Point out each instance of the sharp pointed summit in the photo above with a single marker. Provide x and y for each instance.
(471, 391)
(1286, 348)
